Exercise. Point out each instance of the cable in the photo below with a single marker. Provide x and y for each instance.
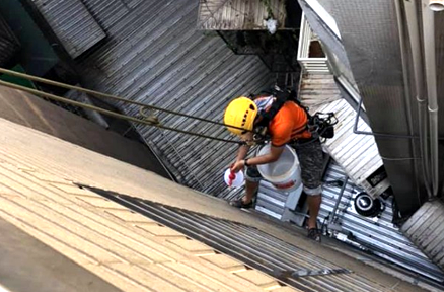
(106, 95)
(399, 158)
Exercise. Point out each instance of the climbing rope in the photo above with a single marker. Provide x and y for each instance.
(145, 120)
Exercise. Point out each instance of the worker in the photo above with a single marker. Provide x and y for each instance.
(287, 126)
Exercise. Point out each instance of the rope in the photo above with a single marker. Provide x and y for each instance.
(148, 121)
(105, 95)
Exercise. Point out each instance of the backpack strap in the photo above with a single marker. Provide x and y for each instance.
(261, 129)
(281, 98)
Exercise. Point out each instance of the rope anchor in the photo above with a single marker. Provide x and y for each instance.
(149, 115)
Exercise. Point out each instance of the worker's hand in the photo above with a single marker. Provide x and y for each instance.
(238, 165)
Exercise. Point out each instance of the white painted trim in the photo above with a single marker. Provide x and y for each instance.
(325, 16)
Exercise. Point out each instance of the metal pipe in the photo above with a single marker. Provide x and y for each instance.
(411, 16)
(436, 5)
(338, 201)
(428, 18)
(381, 135)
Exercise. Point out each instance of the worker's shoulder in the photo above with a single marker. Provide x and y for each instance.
(289, 108)
(292, 103)
(285, 118)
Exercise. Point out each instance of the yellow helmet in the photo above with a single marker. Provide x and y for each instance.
(240, 113)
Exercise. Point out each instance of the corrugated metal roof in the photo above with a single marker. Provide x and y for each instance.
(376, 234)
(292, 265)
(107, 13)
(9, 45)
(239, 14)
(425, 228)
(155, 55)
(73, 24)
(317, 89)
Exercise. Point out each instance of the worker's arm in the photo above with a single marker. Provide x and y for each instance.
(243, 149)
(272, 156)
(280, 137)
(242, 152)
